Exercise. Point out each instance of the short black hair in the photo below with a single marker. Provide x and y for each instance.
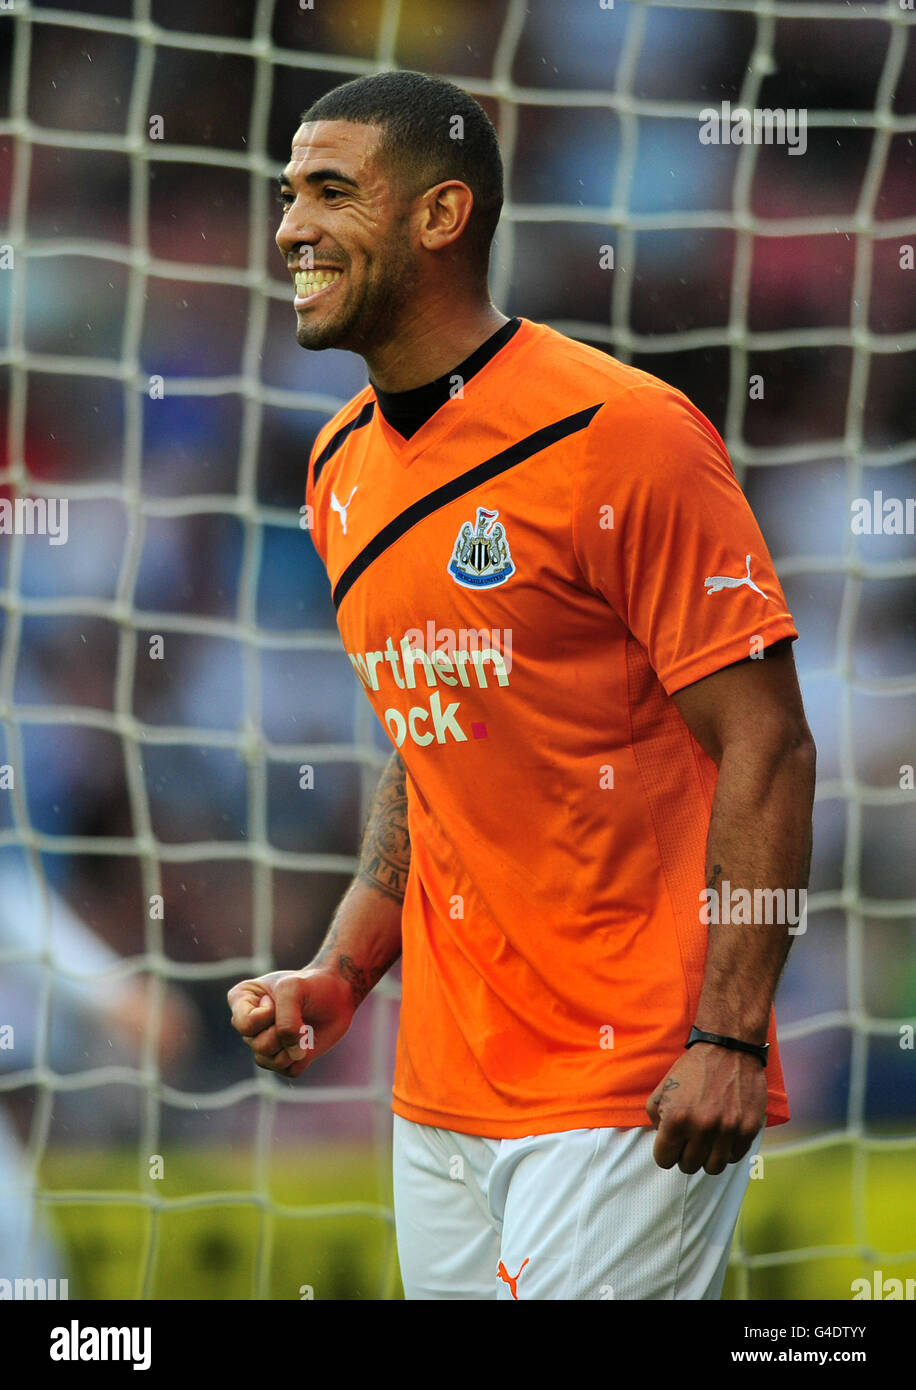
(416, 114)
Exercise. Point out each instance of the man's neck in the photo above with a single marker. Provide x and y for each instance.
(437, 341)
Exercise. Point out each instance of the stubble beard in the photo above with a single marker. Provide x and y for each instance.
(372, 321)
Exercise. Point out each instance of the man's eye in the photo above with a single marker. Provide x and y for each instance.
(286, 199)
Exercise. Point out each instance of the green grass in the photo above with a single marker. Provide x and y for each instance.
(218, 1250)
(808, 1201)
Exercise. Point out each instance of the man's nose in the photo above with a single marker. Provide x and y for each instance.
(296, 229)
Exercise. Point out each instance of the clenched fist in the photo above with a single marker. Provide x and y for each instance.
(290, 1017)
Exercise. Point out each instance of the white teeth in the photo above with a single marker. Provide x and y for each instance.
(308, 282)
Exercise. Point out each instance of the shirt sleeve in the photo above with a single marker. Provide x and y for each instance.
(663, 532)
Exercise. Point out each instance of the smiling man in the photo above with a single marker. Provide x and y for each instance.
(587, 1052)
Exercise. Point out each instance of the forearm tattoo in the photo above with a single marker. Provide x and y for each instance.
(384, 858)
(360, 981)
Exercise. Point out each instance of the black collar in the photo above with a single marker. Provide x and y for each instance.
(406, 411)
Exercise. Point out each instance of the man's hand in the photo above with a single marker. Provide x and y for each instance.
(275, 1012)
(708, 1109)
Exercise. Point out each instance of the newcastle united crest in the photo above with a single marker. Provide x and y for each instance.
(481, 557)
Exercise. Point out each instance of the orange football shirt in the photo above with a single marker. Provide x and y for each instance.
(520, 587)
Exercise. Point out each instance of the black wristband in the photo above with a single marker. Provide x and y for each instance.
(761, 1052)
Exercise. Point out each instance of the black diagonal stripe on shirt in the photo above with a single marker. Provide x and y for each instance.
(448, 492)
(334, 443)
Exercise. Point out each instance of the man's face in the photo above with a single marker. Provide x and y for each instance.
(345, 237)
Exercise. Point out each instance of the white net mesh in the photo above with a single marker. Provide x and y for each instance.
(623, 218)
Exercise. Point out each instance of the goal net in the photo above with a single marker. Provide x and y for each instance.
(185, 759)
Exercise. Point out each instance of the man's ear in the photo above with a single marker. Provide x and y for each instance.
(447, 209)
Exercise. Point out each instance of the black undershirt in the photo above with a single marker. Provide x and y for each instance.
(406, 411)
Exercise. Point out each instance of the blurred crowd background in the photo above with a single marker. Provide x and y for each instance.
(218, 728)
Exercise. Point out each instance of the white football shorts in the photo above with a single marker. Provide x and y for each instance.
(582, 1214)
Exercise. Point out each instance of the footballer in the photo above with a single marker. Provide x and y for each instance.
(587, 1052)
